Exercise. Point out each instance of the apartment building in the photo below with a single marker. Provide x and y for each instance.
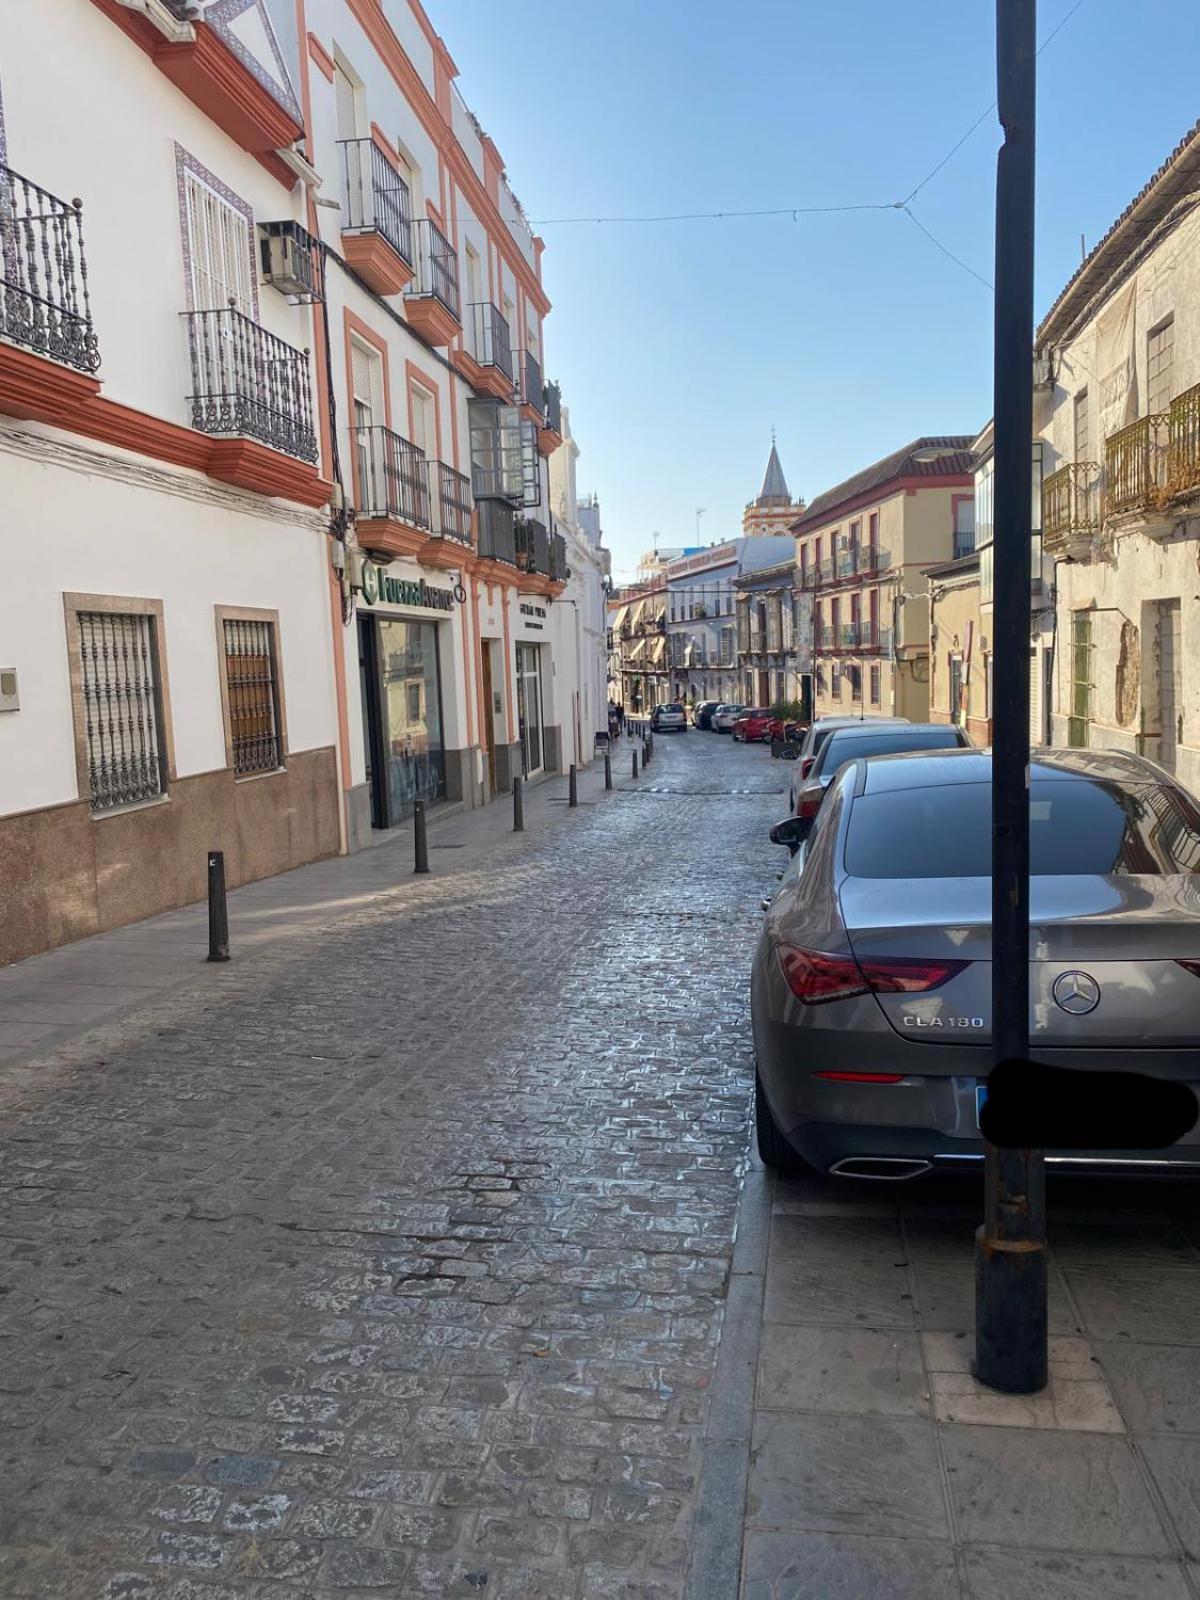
(774, 636)
(701, 647)
(1117, 412)
(862, 548)
(580, 658)
(961, 593)
(272, 409)
(639, 668)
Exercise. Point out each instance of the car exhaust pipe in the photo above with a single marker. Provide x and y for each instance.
(883, 1169)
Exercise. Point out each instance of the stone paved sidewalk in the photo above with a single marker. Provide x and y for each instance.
(391, 1258)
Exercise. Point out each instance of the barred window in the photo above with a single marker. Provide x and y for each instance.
(253, 698)
(122, 717)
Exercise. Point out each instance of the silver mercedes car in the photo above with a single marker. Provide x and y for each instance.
(871, 988)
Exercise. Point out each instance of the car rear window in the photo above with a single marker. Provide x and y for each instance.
(1075, 826)
(849, 745)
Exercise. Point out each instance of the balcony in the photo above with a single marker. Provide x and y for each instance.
(377, 229)
(248, 384)
(1071, 509)
(1135, 464)
(1183, 449)
(847, 566)
(497, 533)
(450, 504)
(550, 434)
(486, 359)
(559, 570)
(43, 275)
(875, 640)
(533, 547)
(392, 487)
(431, 303)
(529, 386)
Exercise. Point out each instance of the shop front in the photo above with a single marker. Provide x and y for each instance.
(404, 647)
(539, 735)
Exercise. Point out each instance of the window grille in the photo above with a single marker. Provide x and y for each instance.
(253, 701)
(1160, 357)
(222, 250)
(875, 677)
(121, 708)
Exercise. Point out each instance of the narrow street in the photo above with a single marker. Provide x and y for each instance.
(393, 1258)
(405, 1255)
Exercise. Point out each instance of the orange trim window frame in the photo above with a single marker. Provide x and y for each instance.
(415, 376)
(324, 63)
(354, 327)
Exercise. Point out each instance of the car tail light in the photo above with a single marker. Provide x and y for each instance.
(816, 977)
(1189, 966)
(809, 803)
(861, 1077)
(806, 766)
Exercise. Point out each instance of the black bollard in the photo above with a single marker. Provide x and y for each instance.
(420, 842)
(646, 751)
(607, 770)
(572, 787)
(518, 807)
(218, 909)
(635, 763)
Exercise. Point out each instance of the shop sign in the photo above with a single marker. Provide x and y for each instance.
(533, 616)
(379, 585)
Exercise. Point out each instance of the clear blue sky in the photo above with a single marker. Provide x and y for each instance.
(679, 345)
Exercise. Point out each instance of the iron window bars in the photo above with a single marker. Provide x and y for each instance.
(552, 407)
(122, 713)
(253, 695)
(377, 198)
(497, 536)
(246, 381)
(436, 267)
(530, 388)
(392, 480)
(43, 274)
(450, 502)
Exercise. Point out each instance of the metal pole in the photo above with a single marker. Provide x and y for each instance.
(518, 807)
(1010, 1247)
(607, 770)
(218, 908)
(635, 761)
(572, 787)
(420, 842)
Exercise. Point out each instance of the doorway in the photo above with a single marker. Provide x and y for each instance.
(489, 715)
(529, 706)
(372, 719)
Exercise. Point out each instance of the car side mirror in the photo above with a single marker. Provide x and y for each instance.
(791, 832)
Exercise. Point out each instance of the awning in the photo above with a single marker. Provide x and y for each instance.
(619, 617)
(658, 651)
(637, 615)
(636, 650)
(658, 610)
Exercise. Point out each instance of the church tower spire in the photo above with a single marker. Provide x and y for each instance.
(774, 511)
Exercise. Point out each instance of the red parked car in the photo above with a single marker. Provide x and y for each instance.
(753, 725)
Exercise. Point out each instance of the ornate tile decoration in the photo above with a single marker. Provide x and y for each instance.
(220, 15)
(186, 162)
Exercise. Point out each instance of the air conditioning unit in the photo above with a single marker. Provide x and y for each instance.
(290, 259)
(1043, 369)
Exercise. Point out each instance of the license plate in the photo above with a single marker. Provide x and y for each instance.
(980, 1099)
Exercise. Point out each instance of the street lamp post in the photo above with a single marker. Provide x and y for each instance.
(1010, 1247)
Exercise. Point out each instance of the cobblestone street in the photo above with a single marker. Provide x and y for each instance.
(393, 1258)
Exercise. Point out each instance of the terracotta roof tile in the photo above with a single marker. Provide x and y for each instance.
(900, 464)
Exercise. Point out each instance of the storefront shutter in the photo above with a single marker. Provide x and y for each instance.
(1037, 723)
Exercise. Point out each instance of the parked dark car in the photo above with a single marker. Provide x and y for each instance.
(871, 991)
(861, 740)
(702, 713)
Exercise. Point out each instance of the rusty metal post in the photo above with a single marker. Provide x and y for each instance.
(1010, 1248)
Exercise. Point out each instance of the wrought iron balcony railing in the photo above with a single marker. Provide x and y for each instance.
(874, 639)
(845, 563)
(849, 635)
(552, 407)
(247, 382)
(1183, 453)
(529, 381)
(449, 503)
(1135, 463)
(436, 267)
(1070, 504)
(872, 559)
(392, 478)
(490, 340)
(533, 546)
(43, 274)
(377, 197)
(964, 543)
(824, 636)
(497, 539)
(559, 570)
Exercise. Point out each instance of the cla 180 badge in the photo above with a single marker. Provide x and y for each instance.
(943, 1022)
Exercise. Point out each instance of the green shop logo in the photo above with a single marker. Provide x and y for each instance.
(378, 585)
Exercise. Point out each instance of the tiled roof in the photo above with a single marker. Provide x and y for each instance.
(1178, 176)
(901, 463)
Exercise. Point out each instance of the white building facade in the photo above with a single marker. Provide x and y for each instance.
(580, 613)
(1117, 412)
(272, 407)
